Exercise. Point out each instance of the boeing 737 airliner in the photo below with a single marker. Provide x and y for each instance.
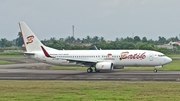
(99, 60)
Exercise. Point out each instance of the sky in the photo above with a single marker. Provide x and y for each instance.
(106, 18)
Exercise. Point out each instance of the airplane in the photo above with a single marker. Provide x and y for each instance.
(93, 59)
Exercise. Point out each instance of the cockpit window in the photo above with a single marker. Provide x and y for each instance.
(161, 55)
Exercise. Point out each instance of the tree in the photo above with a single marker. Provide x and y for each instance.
(79, 40)
(61, 39)
(88, 38)
(102, 39)
(144, 46)
(95, 39)
(19, 41)
(5, 43)
(128, 39)
(162, 40)
(144, 39)
(136, 39)
(70, 39)
(117, 39)
(173, 39)
(150, 41)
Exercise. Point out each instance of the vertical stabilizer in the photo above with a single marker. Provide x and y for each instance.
(31, 42)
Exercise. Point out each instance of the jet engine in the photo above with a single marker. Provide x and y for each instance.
(104, 65)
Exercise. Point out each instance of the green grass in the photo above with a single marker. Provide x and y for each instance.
(174, 55)
(10, 56)
(3, 62)
(88, 91)
(174, 65)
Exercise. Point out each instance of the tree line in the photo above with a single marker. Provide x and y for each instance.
(87, 43)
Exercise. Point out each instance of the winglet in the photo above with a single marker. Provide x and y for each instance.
(95, 47)
(45, 52)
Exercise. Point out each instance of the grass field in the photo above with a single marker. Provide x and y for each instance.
(10, 56)
(88, 91)
(174, 55)
(3, 62)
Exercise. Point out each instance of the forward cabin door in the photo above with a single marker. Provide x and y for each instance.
(151, 56)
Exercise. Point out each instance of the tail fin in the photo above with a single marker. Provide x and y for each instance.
(31, 42)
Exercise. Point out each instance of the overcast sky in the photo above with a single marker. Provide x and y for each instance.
(107, 18)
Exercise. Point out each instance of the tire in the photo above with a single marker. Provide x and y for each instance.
(89, 70)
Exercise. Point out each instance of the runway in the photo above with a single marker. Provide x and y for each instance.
(31, 70)
(124, 75)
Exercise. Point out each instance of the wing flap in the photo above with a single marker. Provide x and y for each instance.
(71, 59)
(80, 61)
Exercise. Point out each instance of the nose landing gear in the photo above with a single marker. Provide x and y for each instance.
(155, 70)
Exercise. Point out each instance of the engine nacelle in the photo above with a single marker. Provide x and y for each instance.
(118, 67)
(104, 65)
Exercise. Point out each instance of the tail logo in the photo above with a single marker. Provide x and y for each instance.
(30, 39)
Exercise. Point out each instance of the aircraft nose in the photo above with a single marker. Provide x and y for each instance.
(168, 60)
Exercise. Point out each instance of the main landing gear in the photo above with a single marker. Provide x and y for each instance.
(155, 70)
(90, 70)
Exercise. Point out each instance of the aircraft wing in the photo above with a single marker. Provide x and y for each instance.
(80, 61)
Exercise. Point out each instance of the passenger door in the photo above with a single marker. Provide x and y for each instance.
(151, 56)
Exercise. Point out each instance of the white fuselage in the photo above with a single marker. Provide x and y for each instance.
(117, 57)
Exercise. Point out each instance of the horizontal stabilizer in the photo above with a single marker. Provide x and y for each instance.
(26, 53)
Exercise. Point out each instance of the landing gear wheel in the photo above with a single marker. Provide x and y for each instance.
(155, 70)
(89, 70)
